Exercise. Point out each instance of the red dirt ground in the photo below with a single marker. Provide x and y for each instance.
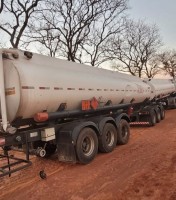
(143, 169)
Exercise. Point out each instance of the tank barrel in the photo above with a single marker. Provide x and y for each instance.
(26, 87)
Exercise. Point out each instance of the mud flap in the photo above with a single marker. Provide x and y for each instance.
(66, 153)
(65, 147)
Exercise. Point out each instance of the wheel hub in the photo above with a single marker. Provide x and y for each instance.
(87, 146)
(109, 138)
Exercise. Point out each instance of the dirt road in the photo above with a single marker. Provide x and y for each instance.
(143, 169)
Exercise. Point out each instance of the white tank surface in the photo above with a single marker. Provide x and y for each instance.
(162, 87)
(43, 83)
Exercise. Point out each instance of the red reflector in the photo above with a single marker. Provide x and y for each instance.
(41, 117)
(139, 123)
(2, 141)
(130, 110)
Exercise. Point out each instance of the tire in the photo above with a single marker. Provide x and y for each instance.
(123, 133)
(108, 140)
(158, 115)
(86, 146)
(162, 111)
(152, 117)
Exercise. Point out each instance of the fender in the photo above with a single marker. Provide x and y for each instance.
(68, 133)
(82, 125)
(122, 116)
(102, 123)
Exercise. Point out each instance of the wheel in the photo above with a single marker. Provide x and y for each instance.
(108, 140)
(162, 111)
(158, 115)
(152, 117)
(123, 133)
(86, 146)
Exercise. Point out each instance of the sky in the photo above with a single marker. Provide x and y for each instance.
(159, 12)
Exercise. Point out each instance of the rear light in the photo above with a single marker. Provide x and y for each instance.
(130, 110)
(2, 141)
(41, 117)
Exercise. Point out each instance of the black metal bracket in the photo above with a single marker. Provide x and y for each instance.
(13, 165)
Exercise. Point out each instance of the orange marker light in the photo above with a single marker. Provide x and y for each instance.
(41, 117)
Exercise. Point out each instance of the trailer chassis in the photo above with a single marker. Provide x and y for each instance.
(66, 136)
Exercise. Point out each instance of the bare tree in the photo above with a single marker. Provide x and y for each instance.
(16, 15)
(78, 27)
(136, 49)
(110, 23)
(168, 62)
(152, 68)
(48, 39)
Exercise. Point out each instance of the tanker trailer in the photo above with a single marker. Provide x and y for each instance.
(164, 91)
(48, 104)
(162, 95)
